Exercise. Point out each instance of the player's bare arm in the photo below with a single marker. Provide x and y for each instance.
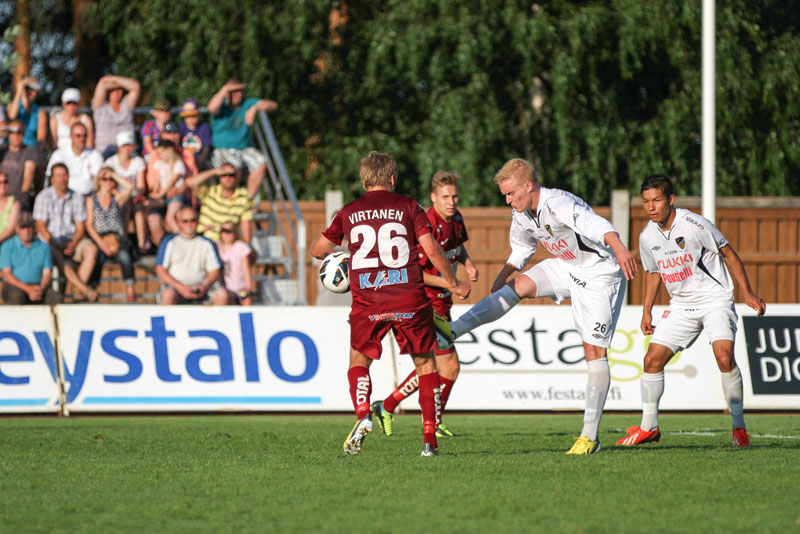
(438, 259)
(432, 280)
(624, 257)
(736, 267)
(321, 247)
(469, 265)
(502, 277)
(652, 283)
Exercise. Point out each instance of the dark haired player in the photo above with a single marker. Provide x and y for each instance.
(695, 262)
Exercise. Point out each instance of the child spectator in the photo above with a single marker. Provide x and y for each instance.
(131, 168)
(195, 135)
(151, 129)
(166, 183)
(236, 256)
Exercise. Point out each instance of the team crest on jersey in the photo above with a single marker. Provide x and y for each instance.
(681, 242)
(383, 278)
(549, 231)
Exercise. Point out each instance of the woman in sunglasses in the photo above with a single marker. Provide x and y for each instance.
(104, 224)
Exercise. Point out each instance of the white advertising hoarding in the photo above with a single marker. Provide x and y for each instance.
(532, 359)
(199, 358)
(191, 358)
(28, 371)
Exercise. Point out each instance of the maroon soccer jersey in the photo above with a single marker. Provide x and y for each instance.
(451, 235)
(383, 229)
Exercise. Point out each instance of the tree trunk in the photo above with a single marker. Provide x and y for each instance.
(22, 42)
(90, 52)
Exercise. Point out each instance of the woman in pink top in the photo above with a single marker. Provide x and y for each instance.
(237, 257)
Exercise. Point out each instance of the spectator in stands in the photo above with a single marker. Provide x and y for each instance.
(166, 183)
(19, 163)
(222, 202)
(104, 224)
(237, 258)
(83, 163)
(171, 132)
(3, 124)
(61, 121)
(24, 107)
(195, 135)
(113, 110)
(60, 216)
(232, 117)
(27, 267)
(131, 168)
(188, 266)
(151, 129)
(9, 210)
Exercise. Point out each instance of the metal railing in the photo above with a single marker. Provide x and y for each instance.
(279, 191)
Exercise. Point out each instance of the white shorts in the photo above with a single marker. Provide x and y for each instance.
(596, 303)
(678, 328)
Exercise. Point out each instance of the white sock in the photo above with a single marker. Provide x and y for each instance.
(732, 386)
(488, 309)
(652, 387)
(597, 386)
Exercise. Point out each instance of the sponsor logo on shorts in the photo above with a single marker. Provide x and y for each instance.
(598, 336)
(665, 314)
(383, 278)
(773, 351)
(392, 316)
(578, 282)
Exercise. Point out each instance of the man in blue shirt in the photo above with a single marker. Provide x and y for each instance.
(27, 265)
(232, 117)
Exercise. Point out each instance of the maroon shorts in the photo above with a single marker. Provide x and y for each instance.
(413, 330)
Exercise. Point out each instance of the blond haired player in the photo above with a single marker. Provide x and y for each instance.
(591, 267)
(451, 234)
(695, 262)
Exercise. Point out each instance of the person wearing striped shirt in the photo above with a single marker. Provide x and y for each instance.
(222, 203)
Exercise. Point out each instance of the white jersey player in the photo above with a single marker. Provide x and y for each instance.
(695, 262)
(591, 267)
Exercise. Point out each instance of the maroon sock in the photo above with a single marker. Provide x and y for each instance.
(429, 403)
(406, 388)
(360, 389)
(447, 386)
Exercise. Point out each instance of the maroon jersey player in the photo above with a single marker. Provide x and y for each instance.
(451, 234)
(385, 232)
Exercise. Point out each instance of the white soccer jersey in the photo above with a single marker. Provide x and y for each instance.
(687, 257)
(567, 227)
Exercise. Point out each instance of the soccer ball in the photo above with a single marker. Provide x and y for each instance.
(334, 272)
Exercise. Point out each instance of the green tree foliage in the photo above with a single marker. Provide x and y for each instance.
(597, 94)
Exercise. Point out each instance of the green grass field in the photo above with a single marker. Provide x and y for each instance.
(289, 474)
